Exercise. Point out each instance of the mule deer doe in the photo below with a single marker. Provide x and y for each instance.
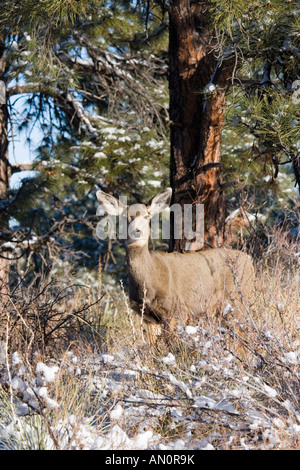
(167, 288)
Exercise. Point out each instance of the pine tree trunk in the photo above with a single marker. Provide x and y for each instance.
(197, 102)
(4, 171)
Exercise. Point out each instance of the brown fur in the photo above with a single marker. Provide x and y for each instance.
(175, 287)
(171, 288)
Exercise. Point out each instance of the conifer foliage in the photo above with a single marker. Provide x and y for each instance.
(97, 89)
(234, 60)
(127, 93)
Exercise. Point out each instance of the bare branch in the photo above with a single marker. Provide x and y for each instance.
(120, 79)
(72, 106)
(29, 166)
(22, 89)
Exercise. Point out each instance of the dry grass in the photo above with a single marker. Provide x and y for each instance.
(226, 383)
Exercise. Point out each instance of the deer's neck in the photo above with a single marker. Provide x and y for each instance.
(139, 263)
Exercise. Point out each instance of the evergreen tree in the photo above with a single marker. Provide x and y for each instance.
(100, 99)
(265, 92)
(250, 52)
(96, 78)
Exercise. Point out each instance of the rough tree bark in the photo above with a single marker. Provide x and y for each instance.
(4, 166)
(198, 82)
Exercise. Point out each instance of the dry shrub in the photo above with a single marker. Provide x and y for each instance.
(47, 317)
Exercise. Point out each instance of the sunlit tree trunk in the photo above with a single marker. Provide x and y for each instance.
(198, 82)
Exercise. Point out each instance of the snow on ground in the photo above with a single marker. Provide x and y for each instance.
(212, 405)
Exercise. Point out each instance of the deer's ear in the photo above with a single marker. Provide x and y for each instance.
(109, 203)
(160, 202)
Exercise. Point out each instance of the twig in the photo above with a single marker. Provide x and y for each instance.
(128, 312)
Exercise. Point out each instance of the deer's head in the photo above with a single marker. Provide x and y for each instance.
(138, 215)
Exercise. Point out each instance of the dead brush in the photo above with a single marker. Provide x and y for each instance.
(47, 317)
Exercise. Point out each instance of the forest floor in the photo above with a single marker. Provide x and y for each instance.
(74, 378)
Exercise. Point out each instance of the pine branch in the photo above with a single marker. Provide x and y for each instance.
(73, 107)
(118, 78)
(150, 35)
(22, 89)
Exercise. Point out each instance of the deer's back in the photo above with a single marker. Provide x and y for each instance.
(202, 280)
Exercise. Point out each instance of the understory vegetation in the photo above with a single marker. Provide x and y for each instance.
(78, 373)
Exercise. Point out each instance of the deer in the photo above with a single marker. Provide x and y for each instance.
(169, 289)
